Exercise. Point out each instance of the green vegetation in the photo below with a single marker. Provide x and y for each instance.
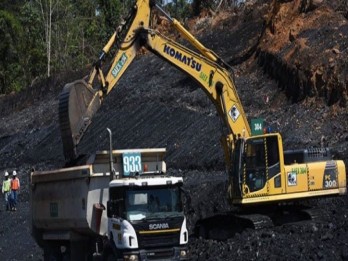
(43, 37)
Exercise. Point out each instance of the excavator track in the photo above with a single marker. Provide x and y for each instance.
(298, 215)
(225, 225)
(315, 214)
(256, 221)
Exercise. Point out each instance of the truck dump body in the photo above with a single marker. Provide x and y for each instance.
(72, 198)
(64, 199)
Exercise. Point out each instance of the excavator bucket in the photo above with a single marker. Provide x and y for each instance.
(78, 102)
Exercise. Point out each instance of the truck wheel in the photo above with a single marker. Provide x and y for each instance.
(66, 257)
(111, 257)
(108, 256)
(52, 254)
(110, 252)
(203, 231)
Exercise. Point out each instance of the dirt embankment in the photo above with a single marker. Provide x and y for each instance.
(305, 48)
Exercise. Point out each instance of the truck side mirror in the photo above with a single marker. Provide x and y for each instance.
(111, 208)
(187, 197)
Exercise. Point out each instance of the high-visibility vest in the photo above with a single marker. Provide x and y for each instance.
(15, 184)
(6, 186)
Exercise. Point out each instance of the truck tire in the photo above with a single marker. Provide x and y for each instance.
(109, 251)
(110, 257)
(52, 254)
(203, 231)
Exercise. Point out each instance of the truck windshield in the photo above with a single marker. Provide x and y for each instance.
(152, 203)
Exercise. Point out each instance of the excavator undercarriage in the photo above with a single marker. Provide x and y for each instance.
(223, 226)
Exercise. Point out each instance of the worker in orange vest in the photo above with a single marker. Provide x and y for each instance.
(15, 186)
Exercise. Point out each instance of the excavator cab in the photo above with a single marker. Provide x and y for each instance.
(257, 164)
(261, 174)
(261, 162)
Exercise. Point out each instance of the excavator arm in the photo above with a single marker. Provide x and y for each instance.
(213, 79)
(80, 100)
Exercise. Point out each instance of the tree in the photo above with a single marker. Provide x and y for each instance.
(11, 70)
(180, 9)
(71, 29)
(198, 5)
(47, 9)
(41, 37)
(110, 11)
(33, 39)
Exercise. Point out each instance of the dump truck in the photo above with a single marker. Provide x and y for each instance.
(113, 206)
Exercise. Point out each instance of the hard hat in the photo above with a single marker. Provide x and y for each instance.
(14, 173)
(6, 174)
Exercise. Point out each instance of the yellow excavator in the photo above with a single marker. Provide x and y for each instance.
(260, 171)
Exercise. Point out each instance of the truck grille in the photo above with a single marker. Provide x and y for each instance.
(160, 255)
(156, 240)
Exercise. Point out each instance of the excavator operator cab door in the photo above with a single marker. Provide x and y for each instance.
(261, 165)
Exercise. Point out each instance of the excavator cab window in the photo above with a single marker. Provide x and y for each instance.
(255, 164)
(261, 161)
(272, 148)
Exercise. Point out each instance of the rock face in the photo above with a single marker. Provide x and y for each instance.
(289, 69)
(304, 49)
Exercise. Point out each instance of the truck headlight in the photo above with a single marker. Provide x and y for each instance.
(130, 258)
(183, 253)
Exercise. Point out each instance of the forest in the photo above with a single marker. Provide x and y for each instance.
(44, 37)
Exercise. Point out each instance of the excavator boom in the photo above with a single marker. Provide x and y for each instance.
(80, 100)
